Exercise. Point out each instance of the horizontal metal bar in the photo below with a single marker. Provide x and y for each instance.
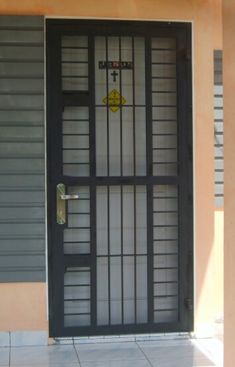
(163, 63)
(76, 120)
(80, 213)
(77, 314)
(165, 225)
(165, 253)
(165, 211)
(164, 92)
(77, 227)
(121, 255)
(164, 120)
(164, 77)
(166, 268)
(76, 163)
(167, 296)
(165, 309)
(165, 105)
(162, 134)
(163, 49)
(164, 239)
(81, 134)
(75, 62)
(121, 180)
(67, 242)
(78, 285)
(164, 163)
(77, 260)
(123, 329)
(76, 299)
(75, 76)
(74, 47)
(166, 282)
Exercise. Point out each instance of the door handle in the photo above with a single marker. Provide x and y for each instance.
(61, 196)
(69, 197)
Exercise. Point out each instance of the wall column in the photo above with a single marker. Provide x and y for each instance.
(229, 160)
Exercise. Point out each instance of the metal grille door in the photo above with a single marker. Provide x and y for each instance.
(119, 178)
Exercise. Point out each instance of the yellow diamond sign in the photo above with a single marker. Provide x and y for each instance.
(114, 100)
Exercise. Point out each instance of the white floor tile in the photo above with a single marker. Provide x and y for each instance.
(109, 352)
(4, 356)
(4, 339)
(176, 355)
(212, 348)
(130, 363)
(60, 355)
(165, 343)
(47, 364)
(29, 338)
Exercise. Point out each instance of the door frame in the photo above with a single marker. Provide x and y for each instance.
(54, 29)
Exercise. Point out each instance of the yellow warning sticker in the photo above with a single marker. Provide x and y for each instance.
(114, 100)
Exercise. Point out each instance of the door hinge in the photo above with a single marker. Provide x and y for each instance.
(187, 54)
(188, 302)
(190, 199)
(190, 152)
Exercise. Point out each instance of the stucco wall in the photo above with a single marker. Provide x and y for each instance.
(229, 154)
(207, 36)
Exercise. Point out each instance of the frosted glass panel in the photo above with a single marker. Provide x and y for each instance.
(76, 156)
(166, 255)
(77, 233)
(120, 91)
(77, 305)
(121, 238)
(141, 291)
(102, 220)
(164, 107)
(74, 63)
(128, 232)
(139, 71)
(115, 220)
(141, 220)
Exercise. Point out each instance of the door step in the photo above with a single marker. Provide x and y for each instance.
(122, 338)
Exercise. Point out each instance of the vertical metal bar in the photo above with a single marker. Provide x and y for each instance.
(108, 188)
(92, 122)
(107, 106)
(133, 91)
(108, 225)
(148, 88)
(54, 166)
(185, 188)
(122, 282)
(92, 131)
(150, 251)
(121, 172)
(120, 87)
(134, 172)
(135, 290)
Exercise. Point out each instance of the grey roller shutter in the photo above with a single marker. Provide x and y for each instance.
(22, 191)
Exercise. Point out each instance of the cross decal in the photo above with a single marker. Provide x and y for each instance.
(114, 74)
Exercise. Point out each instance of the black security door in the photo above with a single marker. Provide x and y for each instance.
(119, 177)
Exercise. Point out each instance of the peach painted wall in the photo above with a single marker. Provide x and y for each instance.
(229, 131)
(23, 306)
(207, 36)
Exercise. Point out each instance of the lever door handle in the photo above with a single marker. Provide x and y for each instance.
(61, 206)
(69, 197)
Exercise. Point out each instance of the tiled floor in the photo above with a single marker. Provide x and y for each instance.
(161, 353)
